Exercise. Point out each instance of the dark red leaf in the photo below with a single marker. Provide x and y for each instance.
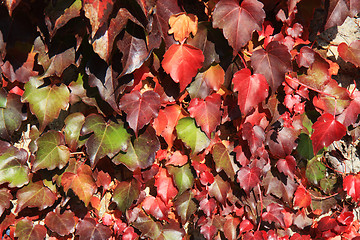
(326, 131)
(306, 57)
(182, 63)
(206, 112)
(219, 189)
(282, 143)
(245, 226)
(326, 223)
(254, 135)
(339, 10)
(208, 230)
(140, 108)
(63, 224)
(345, 217)
(252, 89)
(287, 166)
(350, 53)
(208, 206)
(276, 213)
(5, 197)
(89, 229)
(273, 63)
(238, 21)
(248, 178)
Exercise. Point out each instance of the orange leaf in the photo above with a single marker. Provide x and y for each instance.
(182, 24)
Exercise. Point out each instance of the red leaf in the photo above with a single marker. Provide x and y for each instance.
(208, 206)
(276, 213)
(5, 197)
(273, 63)
(140, 108)
(287, 166)
(177, 159)
(351, 185)
(302, 198)
(254, 135)
(165, 185)
(208, 230)
(63, 224)
(245, 226)
(252, 89)
(249, 178)
(281, 143)
(351, 113)
(206, 113)
(326, 131)
(89, 229)
(230, 228)
(306, 57)
(238, 21)
(339, 10)
(345, 217)
(326, 223)
(350, 53)
(182, 63)
(97, 11)
(155, 207)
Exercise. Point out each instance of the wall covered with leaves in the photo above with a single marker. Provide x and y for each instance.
(165, 119)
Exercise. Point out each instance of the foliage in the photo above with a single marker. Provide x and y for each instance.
(165, 119)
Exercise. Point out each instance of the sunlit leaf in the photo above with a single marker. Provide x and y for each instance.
(350, 53)
(219, 189)
(185, 206)
(147, 226)
(25, 230)
(182, 176)
(182, 24)
(223, 161)
(164, 184)
(97, 12)
(351, 185)
(73, 125)
(315, 171)
(125, 193)
(248, 178)
(61, 223)
(88, 228)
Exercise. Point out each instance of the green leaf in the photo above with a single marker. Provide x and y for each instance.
(13, 167)
(45, 102)
(35, 195)
(185, 206)
(327, 184)
(182, 176)
(315, 171)
(305, 148)
(222, 160)
(147, 226)
(51, 152)
(11, 115)
(73, 125)
(108, 138)
(25, 230)
(125, 193)
(141, 154)
(192, 135)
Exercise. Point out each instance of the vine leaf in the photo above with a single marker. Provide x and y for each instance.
(140, 108)
(5, 197)
(230, 228)
(89, 229)
(165, 185)
(35, 195)
(252, 89)
(287, 166)
(97, 12)
(223, 161)
(11, 115)
(219, 189)
(51, 152)
(351, 186)
(276, 213)
(59, 62)
(282, 143)
(82, 183)
(182, 63)
(25, 230)
(351, 113)
(182, 24)
(73, 125)
(13, 165)
(302, 198)
(45, 102)
(254, 135)
(146, 225)
(108, 138)
(350, 53)
(125, 193)
(155, 207)
(339, 10)
(61, 223)
(182, 176)
(326, 131)
(238, 21)
(185, 206)
(273, 63)
(206, 112)
(191, 135)
(177, 159)
(248, 178)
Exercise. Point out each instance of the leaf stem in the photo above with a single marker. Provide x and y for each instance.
(242, 59)
(261, 206)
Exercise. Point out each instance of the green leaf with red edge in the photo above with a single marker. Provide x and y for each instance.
(82, 183)
(45, 102)
(182, 176)
(351, 185)
(11, 115)
(35, 195)
(350, 53)
(351, 113)
(339, 10)
(140, 154)
(5, 197)
(302, 198)
(98, 12)
(252, 89)
(223, 161)
(191, 135)
(185, 206)
(51, 152)
(287, 166)
(326, 131)
(165, 187)
(219, 189)
(13, 165)
(103, 45)
(230, 228)
(145, 224)
(140, 108)
(248, 178)
(238, 22)
(182, 63)
(125, 193)
(155, 207)
(88, 228)
(73, 125)
(25, 230)
(206, 112)
(61, 223)
(206, 82)
(273, 63)
(108, 138)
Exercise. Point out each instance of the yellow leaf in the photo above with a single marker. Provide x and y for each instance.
(182, 24)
